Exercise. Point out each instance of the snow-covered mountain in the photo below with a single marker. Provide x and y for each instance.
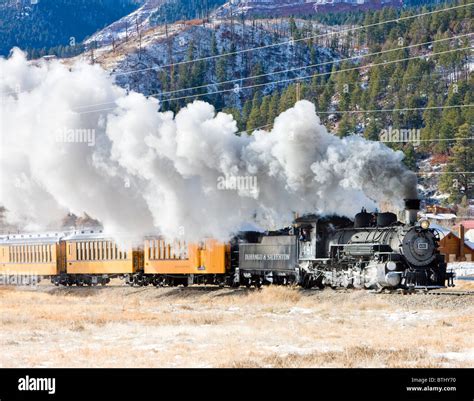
(137, 62)
(299, 7)
(139, 20)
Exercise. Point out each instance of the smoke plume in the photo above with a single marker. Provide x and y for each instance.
(73, 141)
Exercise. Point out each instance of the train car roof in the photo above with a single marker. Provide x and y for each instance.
(89, 234)
(33, 238)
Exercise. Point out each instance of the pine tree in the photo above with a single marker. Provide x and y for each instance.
(273, 108)
(264, 110)
(457, 181)
(254, 120)
(346, 125)
(410, 157)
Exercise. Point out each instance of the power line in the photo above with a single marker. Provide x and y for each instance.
(314, 75)
(432, 140)
(447, 172)
(292, 41)
(313, 65)
(398, 109)
(290, 80)
(318, 86)
(283, 71)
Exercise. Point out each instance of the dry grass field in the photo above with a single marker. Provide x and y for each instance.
(118, 326)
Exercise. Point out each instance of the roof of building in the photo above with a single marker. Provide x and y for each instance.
(439, 216)
(468, 243)
(468, 225)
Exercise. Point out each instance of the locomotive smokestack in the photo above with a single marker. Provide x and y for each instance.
(411, 210)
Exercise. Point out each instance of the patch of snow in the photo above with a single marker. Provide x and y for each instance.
(300, 311)
(462, 269)
(467, 355)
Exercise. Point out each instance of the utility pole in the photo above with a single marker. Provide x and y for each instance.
(298, 91)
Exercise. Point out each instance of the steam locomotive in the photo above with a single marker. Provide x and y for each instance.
(375, 251)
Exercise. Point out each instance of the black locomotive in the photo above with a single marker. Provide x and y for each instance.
(374, 251)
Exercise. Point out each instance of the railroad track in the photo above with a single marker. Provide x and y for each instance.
(456, 293)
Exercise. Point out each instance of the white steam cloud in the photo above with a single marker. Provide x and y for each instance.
(73, 141)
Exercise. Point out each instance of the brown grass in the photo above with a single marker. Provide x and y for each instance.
(207, 326)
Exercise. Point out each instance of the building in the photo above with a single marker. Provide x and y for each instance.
(454, 246)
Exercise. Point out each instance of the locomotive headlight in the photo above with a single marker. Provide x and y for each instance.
(425, 224)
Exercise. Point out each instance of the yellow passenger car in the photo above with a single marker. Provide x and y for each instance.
(178, 258)
(32, 254)
(91, 253)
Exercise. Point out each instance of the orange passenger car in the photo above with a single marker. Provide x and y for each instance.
(177, 258)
